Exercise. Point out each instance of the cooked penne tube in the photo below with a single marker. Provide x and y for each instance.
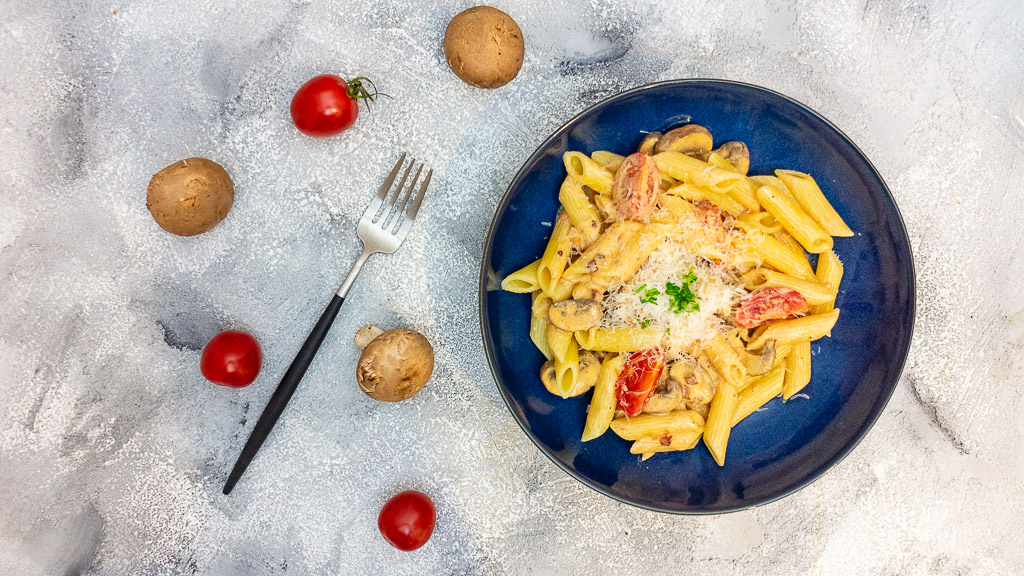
(744, 190)
(581, 212)
(758, 393)
(619, 339)
(567, 369)
(611, 241)
(523, 280)
(828, 274)
(812, 200)
(539, 323)
(773, 253)
(725, 360)
(798, 369)
(770, 181)
(809, 328)
(813, 291)
(603, 402)
(556, 254)
(719, 424)
(806, 231)
(695, 194)
(676, 441)
(655, 424)
(762, 221)
(609, 160)
(559, 341)
(584, 170)
(787, 240)
(687, 169)
(562, 291)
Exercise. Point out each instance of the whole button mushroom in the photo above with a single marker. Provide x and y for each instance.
(190, 197)
(395, 365)
(484, 47)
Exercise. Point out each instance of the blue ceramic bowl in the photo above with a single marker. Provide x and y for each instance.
(784, 447)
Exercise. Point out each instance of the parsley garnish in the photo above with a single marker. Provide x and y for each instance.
(668, 331)
(682, 298)
(645, 323)
(650, 295)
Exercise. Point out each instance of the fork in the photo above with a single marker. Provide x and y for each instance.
(382, 228)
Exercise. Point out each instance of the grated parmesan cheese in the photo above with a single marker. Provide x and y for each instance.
(718, 291)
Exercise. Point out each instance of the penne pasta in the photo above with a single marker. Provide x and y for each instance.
(798, 369)
(812, 200)
(762, 221)
(694, 194)
(773, 253)
(809, 328)
(719, 423)
(587, 172)
(688, 169)
(567, 369)
(675, 441)
(619, 339)
(813, 291)
(828, 274)
(603, 402)
(558, 341)
(725, 360)
(657, 424)
(580, 211)
(539, 323)
(758, 394)
(523, 280)
(806, 231)
(610, 161)
(556, 255)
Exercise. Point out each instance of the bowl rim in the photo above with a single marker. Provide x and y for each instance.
(485, 330)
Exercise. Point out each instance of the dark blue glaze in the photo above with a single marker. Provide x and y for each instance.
(785, 447)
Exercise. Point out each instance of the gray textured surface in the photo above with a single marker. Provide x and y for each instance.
(113, 448)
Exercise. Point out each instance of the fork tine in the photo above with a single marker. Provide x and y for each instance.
(396, 215)
(389, 202)
(375, 204)
(403, 230)
(393, 209)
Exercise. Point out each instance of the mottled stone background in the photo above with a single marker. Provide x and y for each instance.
(113, 448)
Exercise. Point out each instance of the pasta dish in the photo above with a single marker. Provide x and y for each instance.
(678, 289)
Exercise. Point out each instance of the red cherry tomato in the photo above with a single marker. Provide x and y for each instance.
(327, 105)
(232, 358)
(767, 304)
(407, 520)
(638, 379)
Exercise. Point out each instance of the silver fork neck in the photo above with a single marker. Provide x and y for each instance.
(351, 278)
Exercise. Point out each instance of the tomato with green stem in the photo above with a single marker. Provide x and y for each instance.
(327, 105)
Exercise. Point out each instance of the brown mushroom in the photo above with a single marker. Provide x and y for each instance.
(735, 153)
(395, 365)
(647, 144)
(586, 376)
(190, 197)
(667, 396)
(692, 140)
(695, 382)
(365, 335)
(484, 47)
(760, 363)
(574, 315)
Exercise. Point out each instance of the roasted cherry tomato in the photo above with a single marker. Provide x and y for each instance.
(327, 105)
(636, 187)
(767, 304)
(407, 520)
(638, 379)
(232, 358)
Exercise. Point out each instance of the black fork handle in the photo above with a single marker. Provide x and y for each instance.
(284, 391)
